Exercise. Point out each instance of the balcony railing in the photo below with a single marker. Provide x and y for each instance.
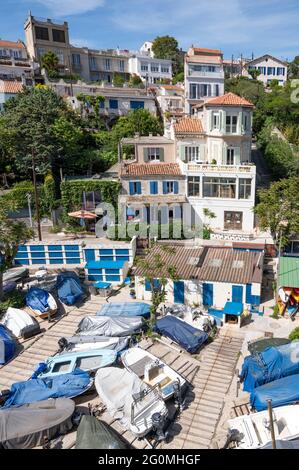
(200, 168)
(195, 73)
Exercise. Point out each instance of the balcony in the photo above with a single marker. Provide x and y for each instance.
(195, 73)
(208, 168)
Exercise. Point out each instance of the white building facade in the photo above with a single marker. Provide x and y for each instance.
(270, 69)
(15, 63)
(150, 69)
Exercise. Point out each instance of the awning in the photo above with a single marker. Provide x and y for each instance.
(233, 308)
(102, 285)
(104, 264)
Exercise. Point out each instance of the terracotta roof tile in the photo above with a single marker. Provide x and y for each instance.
(172, 87)
(188, 125)
(12, 44)
(147, 169)
(10, 86)
(229, 99)
(204, 50)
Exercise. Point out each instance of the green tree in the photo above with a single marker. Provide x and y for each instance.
(12, 233)
(254, 73)
(278, 209)
(178, 78)
(135, 81)
(118, 80)
(50, 62)
(167, 47)
(293, 68)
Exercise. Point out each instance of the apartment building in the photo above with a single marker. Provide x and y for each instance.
(270, 69)
(203, 163)
(15, 63)
(150, 69)
(171, 99)
(204, 76)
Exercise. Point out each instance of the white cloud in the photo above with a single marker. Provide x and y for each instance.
(60, 8)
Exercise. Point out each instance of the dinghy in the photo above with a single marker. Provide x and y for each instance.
(7, 345)
(20, 323)
(27, 426)
(88, 343)
(253, 431)
(69, 288)
(128, 399)
(153, 371)
(64, 385)
(110, 326)
(15, 274)
(93, 433)
(41, 302)
(89, 361)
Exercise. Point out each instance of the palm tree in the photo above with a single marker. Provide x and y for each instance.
(50, 61)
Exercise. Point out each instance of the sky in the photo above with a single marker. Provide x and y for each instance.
(234, 26)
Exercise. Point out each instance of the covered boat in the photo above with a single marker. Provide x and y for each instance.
(27, 426)
(88, 343)
(260, 345)
(283, 391)
(93, 433)
(125, 309)
(129, 399)
(41, 302)
(188, 337)
(254, 430)
(69, 288)
(153, 371)
(7, 345)
(89, 361)
(15, 274)
(269, 365)
(20, 323)
(63, 385)
(9, 286)
(110, 326)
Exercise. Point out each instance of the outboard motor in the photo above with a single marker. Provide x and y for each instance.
(63, 344)
(233, 435)
(158, 425)
(178, 394)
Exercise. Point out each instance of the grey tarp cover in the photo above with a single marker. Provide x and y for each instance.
(24, 427)
(109, 326)
(95, 434)
(118, 343)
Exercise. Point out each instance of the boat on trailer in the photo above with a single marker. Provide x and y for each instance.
(153, 371)
(88, 361)
(128, 399)
(253, 431)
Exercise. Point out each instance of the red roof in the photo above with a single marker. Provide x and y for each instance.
(148, 169)
(204, 50)
(10, 86)
(229, 99)
(12, 44)
(188, 125)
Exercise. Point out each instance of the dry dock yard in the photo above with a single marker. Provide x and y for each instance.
(209, 375)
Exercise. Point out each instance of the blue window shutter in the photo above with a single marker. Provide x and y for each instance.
(131, 187)
(165, 187)
(138, 184)
(175, 187)
(147, 285)
(153, 187)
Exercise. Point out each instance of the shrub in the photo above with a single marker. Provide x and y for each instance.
(15, 299)
(294, 334)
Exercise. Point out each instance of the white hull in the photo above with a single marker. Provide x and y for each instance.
(255, 431)
(16, 320)
(52, 308)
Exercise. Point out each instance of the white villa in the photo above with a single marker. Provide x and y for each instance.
(270, 68)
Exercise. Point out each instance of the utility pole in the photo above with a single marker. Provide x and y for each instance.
(36, 197)
(269, 401)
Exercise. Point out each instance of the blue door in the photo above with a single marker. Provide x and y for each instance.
(237, 294)
(179, 292)
(207, 294)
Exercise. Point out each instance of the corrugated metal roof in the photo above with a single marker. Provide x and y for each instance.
(232, 266)
(288, 272)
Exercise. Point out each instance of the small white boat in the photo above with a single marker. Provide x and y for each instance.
(89, 343)
(15, 274)
(129, 400)
(254, 431)
(153, 371)
(20, 323)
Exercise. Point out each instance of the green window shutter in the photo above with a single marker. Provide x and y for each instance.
(243, 130)
(182, 153)
(239, 126)
(161, 155)
(145, 154)
(237, 155)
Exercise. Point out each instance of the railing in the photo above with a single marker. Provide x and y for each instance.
(200, 168)
(195, 73)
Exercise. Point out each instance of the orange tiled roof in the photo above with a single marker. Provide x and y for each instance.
(10, 86)
(13, 44)
(206, 51)
(229, 99)
(172, 87)
(148, 169)
(188, 125)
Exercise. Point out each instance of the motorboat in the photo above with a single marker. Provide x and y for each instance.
(109, 326)
(153, 371)
(89, 343)
(261, 344)
(253, 431)
(93, 433)
(7, 345)
(40, 302)
(284, 391)
(69, 289)
(128, 399)
(15, 274)
(27, 426)
(20, 323)
(89, 361)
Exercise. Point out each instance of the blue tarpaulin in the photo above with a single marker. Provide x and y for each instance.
(37, 299)
(125, 309)
(7, 345)
(69, 288)
(185, 335)
(102, 285)
(282, 392)
(233, 308)
(271, 364)
(65, 385)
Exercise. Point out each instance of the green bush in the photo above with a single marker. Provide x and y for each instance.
(294, 334)
(15, 299)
